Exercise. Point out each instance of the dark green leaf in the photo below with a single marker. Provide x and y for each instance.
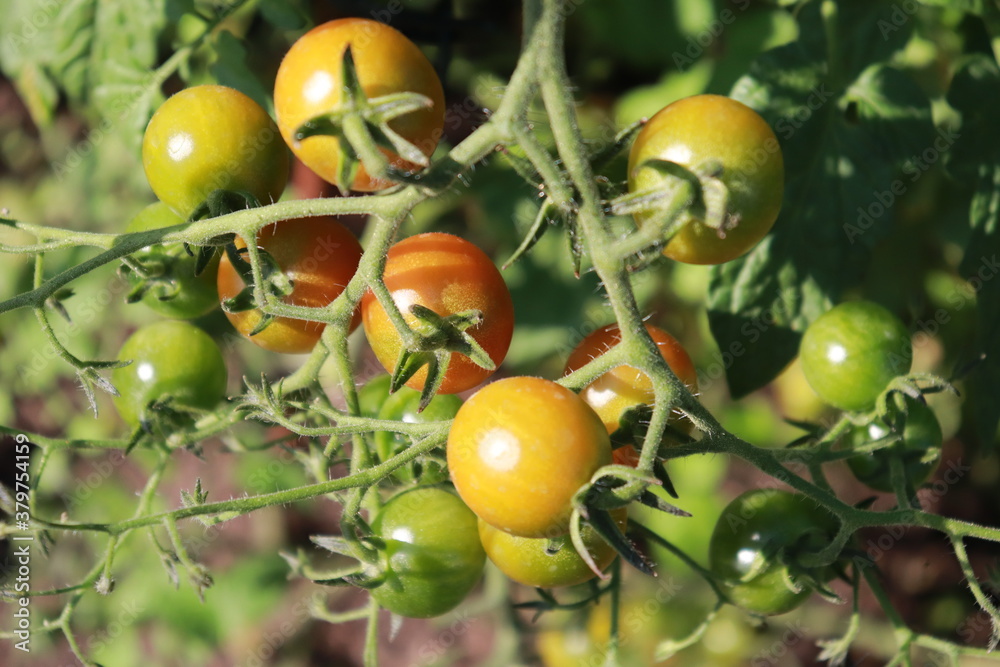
(231, 69)
(850, 136)
(975, 92)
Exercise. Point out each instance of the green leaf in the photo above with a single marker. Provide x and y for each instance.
(847, 133)
(231, 70)
(98, 54)
(980, 7)
(975, 92)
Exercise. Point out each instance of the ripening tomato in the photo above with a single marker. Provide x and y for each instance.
(519, 449)
(208, 138)
(172, 362)
(703, 129)
(448, 275)
(527, 560)
(319, 255)
(625, 387)
(308, 84)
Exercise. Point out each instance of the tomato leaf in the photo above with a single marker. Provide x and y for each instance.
(975, 92)
(847, 123)
(231, 69)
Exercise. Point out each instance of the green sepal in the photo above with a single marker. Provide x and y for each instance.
(622, 140)
(547, 213)
(605, 525)
(650, 499)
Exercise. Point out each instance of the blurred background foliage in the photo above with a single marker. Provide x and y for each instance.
(80, 80)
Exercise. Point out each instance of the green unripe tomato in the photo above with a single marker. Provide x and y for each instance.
(433, 556)
(402, 406)
(921, 432)
(176, 290)
(170, 360)
(703, 129)
(373, 394)
(747, 539)
(208, 138)
(852, 352)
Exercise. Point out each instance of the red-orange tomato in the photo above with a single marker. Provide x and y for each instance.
(319, 255)
(448, 275)
(308, 84)
(518, 451)
(624, 387)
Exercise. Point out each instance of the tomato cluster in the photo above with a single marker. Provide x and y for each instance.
(437, 314)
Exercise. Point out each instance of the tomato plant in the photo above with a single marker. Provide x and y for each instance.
(433, 556)
(531, 561)
(170, 286)
(504, 444)
(718, 135)
(309, 84)
(757, 544)
(319, 256)
(919, 439)
(450, 276)
(624, 387)
(174, 364)
(208, 138)
(852, 155)
(851, 353)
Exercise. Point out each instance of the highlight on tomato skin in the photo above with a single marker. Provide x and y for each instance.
(519, 450)
(308, 84)
(319, 256)
(624, 387)
(447, 275)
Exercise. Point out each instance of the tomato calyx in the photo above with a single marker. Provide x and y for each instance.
(275, 284)
(223, 202)
(361, 126)
(437, 338)
(685, 194)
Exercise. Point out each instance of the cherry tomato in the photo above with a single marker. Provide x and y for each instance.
(309, 84)
(756, 543)
(448, 275)
(319, 255)
(175, 290)
(208, 138)
(519, 450)
(921, 432)
(433, 557)
(373, 394)
(703, 129)
(172, 361)
(850, 353)
(527, 560)
(625, 387)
